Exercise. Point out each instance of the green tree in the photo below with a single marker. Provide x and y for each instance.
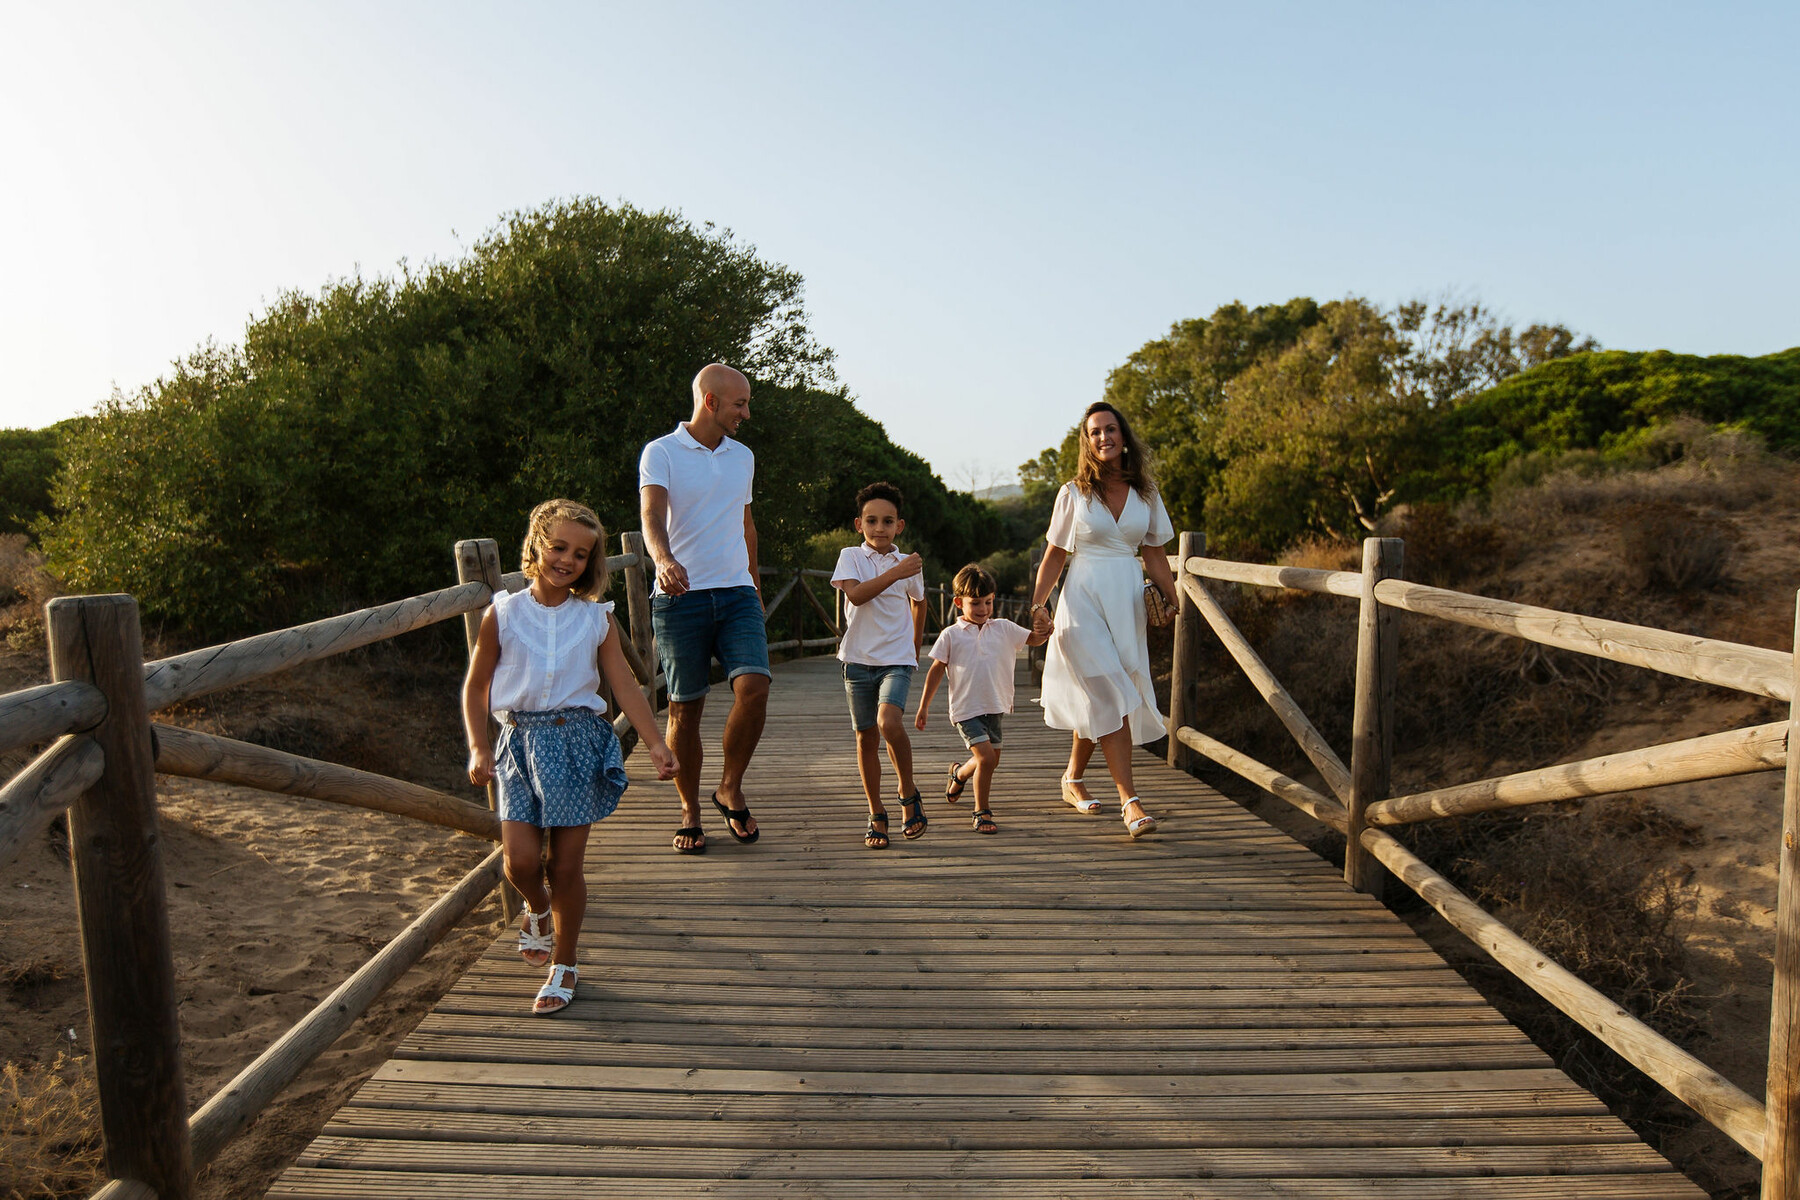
(358, 433)
(28, 462)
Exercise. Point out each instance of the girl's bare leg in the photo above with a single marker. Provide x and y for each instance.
(568, 887)
(522, 850)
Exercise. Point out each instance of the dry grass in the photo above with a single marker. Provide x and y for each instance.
(24, 589)
(49, 1130)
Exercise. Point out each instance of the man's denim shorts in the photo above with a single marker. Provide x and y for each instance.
(696, 627)
(985, 728)
(870, 687)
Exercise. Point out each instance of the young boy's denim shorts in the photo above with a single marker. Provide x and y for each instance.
(696, 627)
(870, 687)
(985, 728)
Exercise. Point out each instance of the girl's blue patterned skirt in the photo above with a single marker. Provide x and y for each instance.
(562, 767)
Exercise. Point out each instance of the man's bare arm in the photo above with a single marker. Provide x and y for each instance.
(750, 547)
(653, 511)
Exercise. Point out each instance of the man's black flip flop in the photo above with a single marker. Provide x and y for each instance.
(690, 831)
(740, 815)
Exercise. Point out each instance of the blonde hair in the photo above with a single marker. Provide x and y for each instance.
(1134, 461)
(544, 519)
(973, 580)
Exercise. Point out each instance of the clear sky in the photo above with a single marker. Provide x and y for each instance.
(992, 205)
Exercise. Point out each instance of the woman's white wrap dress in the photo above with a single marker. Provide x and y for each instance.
(1097, 664)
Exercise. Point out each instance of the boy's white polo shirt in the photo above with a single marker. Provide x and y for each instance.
(879, 633)
(981, 659)
(708, 490)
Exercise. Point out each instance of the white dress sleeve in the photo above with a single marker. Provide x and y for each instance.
(1062, 519)
(1161, 528)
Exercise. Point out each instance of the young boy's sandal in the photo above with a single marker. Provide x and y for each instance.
(558, 991)
(696, 838)
(914, 827)
(876, 838)
(535, 945)
(953, 790)
(984, 822)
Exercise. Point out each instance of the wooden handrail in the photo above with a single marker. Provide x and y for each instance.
(37, 714)
(1733, 1111)
(1705, 660)
(171, 680)
(125, 1189)
(1304, 579)
(50, 783)
(239, 1101)
(1752, 1124)
(195, 755)
(1715, 756)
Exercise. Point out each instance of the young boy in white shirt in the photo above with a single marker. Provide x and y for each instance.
(978, 653)
(884, 625)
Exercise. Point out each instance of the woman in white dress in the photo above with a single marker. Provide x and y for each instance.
(1097, 681)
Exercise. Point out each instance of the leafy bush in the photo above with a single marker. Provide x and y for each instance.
(28, 461)
(336, 457)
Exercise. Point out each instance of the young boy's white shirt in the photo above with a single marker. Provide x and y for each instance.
(879, 633)
(979, 661)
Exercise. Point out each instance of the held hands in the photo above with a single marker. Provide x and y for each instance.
(1041, 622)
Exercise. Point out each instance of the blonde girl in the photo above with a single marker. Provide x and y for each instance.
(536, 667)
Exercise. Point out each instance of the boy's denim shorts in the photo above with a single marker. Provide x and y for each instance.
(985, 728)
(870, 687)
(696, 627)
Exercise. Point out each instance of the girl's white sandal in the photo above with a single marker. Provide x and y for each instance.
(1144, 824)
(1075, 794)
(560, 988)
(535, 946)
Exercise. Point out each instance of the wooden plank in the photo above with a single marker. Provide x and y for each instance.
(45, 787)
(1301, 579)
(334, 1184)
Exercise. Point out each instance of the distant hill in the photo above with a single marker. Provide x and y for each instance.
(1002, 492)
(1601, 400)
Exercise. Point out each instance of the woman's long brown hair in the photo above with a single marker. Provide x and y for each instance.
(1134, 463)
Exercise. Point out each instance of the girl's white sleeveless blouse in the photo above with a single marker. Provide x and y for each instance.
(549, 657)
(1097, 663)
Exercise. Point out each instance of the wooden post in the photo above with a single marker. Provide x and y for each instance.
(123, 905)
(1781, 1138)
(1184, 669)
(478, 559)
(637, 602)
(799, 618)
(1372, 737)
(1034, 655)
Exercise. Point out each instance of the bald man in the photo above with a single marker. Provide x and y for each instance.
(694, 485)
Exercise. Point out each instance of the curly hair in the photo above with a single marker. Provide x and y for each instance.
(1134, 462)
(882, 490)
(544, 519)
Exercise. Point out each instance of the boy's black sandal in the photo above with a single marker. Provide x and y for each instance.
(694, 832)
(953, 790)
(984, 822)
(876, 838)
(914, 826)
(740, 815)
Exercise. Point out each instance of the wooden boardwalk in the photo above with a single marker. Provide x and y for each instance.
(1053, 1011)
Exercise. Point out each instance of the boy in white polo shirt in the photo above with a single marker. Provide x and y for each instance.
(884, 594)
(978, 653)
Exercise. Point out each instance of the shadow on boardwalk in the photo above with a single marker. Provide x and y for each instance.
(1053, 1011)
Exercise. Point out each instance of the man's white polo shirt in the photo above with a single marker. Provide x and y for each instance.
(879, 633)
(980, 659)
(708, 491)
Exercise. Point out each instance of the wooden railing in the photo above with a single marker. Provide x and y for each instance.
(1357, 802)
(100, 767)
